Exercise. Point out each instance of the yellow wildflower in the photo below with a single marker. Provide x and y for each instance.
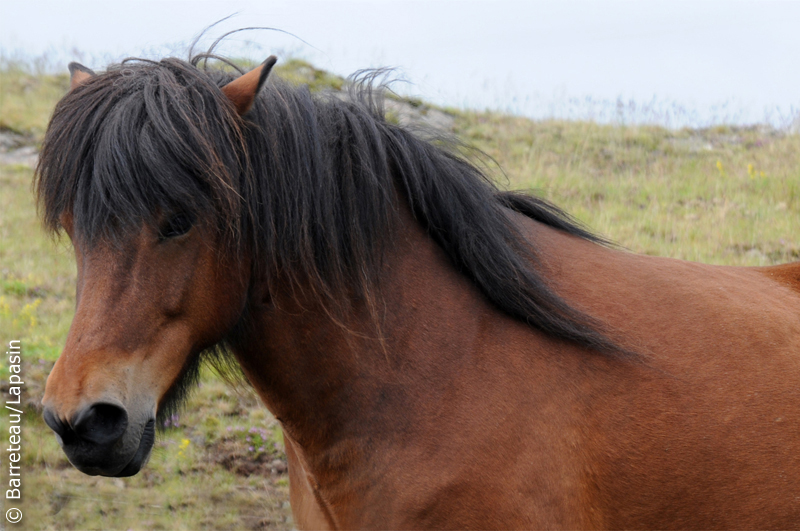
(28, 312)
(183, 446)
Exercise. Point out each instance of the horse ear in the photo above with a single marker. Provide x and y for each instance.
(242, 91)
(78, 75)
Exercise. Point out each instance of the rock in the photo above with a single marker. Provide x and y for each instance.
(16, 148)
(415, 115)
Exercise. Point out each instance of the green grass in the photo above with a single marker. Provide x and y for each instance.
(37, 276)
(27, 98)
(303, 73)
(723, 195)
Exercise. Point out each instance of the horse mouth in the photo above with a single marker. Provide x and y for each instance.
(133, 465)
(142, 454)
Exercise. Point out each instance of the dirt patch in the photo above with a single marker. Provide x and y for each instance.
(244, 461)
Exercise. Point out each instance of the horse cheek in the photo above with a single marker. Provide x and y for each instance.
(220, 296)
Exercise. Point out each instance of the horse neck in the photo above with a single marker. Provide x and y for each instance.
(328, 382)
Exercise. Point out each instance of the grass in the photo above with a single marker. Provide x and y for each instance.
(721, 195)
(27, 98)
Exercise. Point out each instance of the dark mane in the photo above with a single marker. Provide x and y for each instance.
(308, 184)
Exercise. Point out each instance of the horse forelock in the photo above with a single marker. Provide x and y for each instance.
(141, 140)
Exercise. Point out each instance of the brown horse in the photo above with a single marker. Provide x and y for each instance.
(440, 354)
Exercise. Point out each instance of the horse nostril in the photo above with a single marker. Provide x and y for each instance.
(100, 423)
(62, 430)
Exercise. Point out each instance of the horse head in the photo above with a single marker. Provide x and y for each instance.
(158, 279)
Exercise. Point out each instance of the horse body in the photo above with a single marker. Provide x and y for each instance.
(701, 435)
(472, 417)
(419, 400)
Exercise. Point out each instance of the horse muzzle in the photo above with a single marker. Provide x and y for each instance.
(101, 440)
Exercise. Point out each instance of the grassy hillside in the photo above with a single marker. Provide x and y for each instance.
(723, 195)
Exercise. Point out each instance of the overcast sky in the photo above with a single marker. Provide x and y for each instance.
(679, 62)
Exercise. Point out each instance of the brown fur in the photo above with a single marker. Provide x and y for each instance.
(243, 90)
(79, 75)
(478, 422)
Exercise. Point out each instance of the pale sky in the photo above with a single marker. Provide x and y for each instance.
(680, 62)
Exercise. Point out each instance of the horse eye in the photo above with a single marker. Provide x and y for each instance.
(177, 225)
